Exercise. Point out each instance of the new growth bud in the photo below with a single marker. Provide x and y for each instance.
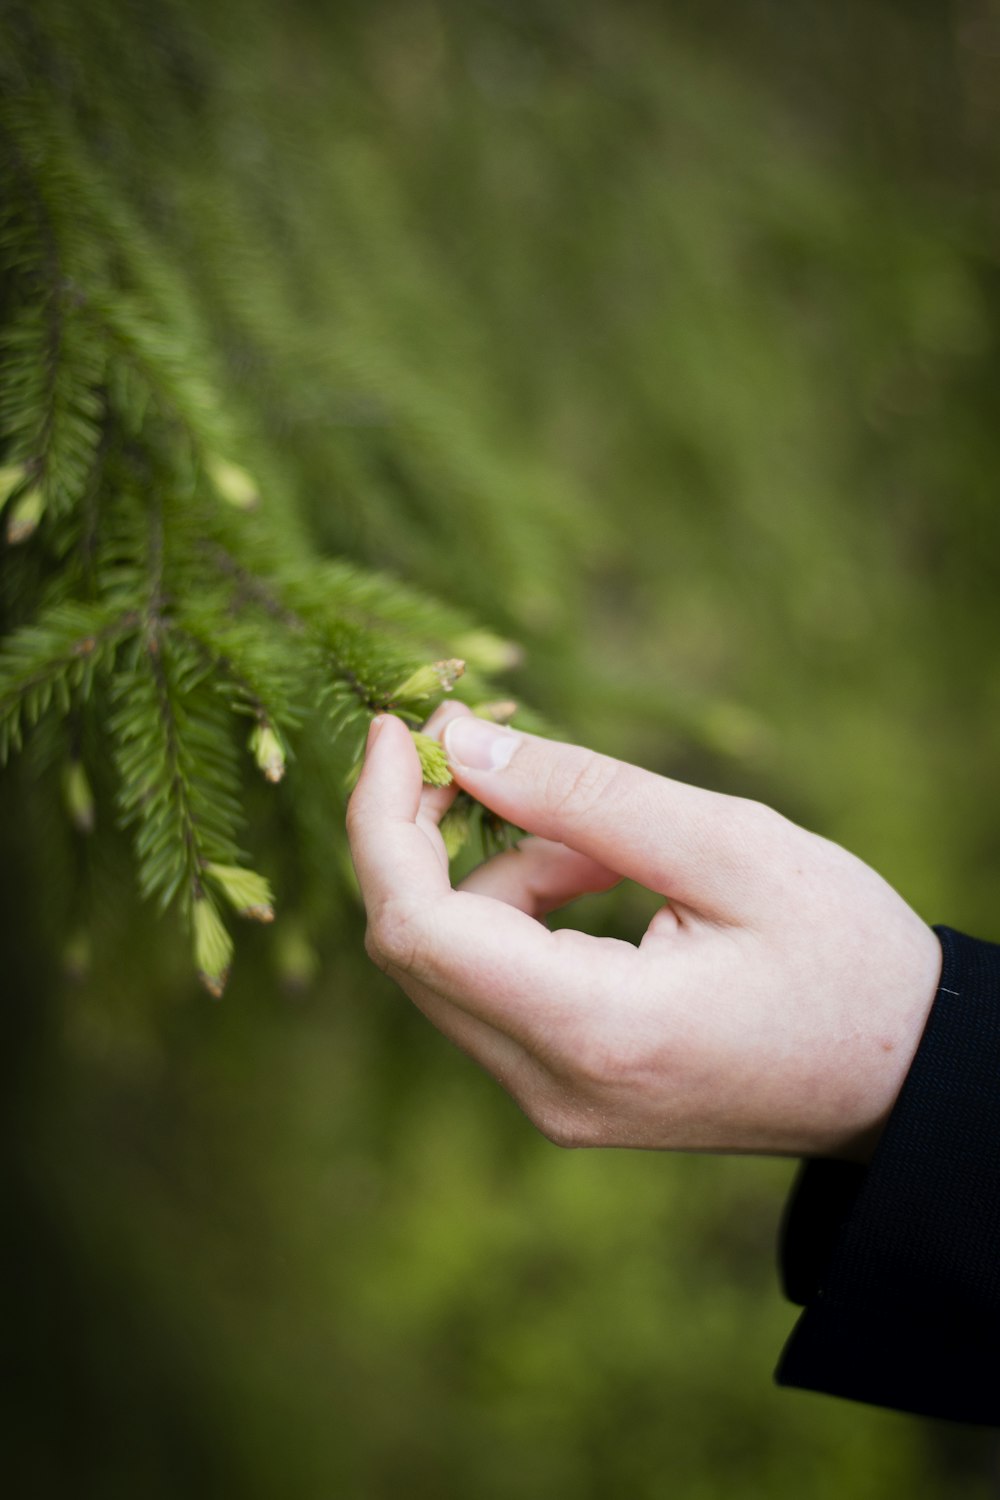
(248, 893)
(456, 826)
(234, 484)
(268, 751)
(76, 956)
(500, 711)
(24, 515)
(78, 797)
(433, 762)
(11, 475)
(213, 947)
(428, 681)
(488, 652)
(296, 959)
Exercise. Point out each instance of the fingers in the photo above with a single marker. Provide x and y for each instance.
(704, 850)
(485, 956)
(393, 795)
(539, 876)
(552, 1015)
(497, 963)
(389, 786)
(390, 852)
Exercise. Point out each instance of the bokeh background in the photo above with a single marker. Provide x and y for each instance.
(663, 339)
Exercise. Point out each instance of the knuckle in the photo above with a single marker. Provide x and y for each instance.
(604, 1058)
(561, 1125)
(580, 787)
(561, 1114)
(597, 1050)
(756, 820)
(373, 950)
(756, 837)
(394, 936)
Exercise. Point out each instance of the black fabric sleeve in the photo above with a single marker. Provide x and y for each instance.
(898, 1263)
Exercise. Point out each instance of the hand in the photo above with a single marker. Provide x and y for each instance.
(773, 1005)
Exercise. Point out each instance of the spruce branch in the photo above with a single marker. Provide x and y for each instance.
(210, 616)
(158, 360)
(51, 373)
(47, 662)
(51, 405)
(358, 669)
(178, 780)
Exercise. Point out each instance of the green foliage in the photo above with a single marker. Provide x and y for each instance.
(49, 661)
(173, 596)
(661, 340)
(177, 769)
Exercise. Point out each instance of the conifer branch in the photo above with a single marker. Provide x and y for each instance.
(252, 589)
(209, 624)
(51, 375)
(260, 684)
(45, 663)
(339, 645)
(159, 362)
(176, 767)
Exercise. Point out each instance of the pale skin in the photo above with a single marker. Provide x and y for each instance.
(773, 1005)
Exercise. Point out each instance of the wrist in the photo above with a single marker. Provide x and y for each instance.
(911, 971)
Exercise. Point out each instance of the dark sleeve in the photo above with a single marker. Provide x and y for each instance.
(897, 1264)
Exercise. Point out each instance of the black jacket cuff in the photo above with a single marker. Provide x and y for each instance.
(898, 1263)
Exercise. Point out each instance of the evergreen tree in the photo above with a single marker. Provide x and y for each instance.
(657, 338)
(165, 613)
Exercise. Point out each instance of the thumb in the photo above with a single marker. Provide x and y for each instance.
(703, 849)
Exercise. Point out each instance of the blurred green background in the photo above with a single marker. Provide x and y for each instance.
(663, 338)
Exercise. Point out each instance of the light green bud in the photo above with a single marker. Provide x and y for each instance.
(248, 893)
(433, 762)
(213, 947)
(268, 751)
(455, 827)
(236, 486)
(76, 955)
(78, 797)
(488, 652)
(11, 475)
(296, 959)
(500, 711)
(24, 515)
(428, 681)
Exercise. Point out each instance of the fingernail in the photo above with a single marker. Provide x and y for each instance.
(478, 745)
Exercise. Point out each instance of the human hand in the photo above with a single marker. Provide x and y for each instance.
(773, 1005)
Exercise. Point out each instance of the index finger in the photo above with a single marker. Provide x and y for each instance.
(706, 850)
